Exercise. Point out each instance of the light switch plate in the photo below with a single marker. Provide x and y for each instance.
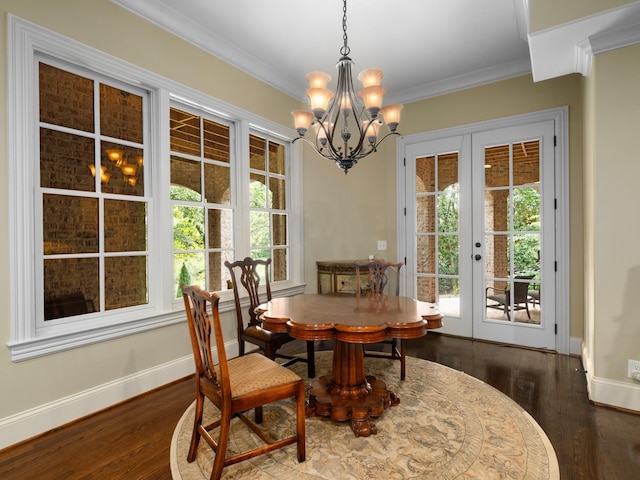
(382, 244)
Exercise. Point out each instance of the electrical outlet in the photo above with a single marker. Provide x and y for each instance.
(634, 369)
(382, 244)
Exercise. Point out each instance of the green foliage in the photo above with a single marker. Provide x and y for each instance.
(183, 279)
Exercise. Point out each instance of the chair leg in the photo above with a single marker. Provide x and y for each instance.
(311, 359)
(223, 440)
(403, 358)
(258, 414)
(197, 421)
(300, 422)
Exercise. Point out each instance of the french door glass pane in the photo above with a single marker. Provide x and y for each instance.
(437, 231)
(512, 231)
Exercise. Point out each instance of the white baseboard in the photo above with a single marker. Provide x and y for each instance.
(575, 346)
(614, 393)
(41, 419)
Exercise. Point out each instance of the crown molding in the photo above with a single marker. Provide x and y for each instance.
(569, 48)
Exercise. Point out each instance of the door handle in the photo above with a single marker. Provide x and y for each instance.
(478, 256)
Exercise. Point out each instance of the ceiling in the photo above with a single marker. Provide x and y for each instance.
(425, 47)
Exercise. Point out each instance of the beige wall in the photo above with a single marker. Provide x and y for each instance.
(612, 208)
(545, 14)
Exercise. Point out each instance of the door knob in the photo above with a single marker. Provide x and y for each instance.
(478, 244)
(478, 256)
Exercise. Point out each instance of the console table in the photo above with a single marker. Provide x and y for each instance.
(337, 276)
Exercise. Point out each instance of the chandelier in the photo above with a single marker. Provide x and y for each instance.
(346, 126)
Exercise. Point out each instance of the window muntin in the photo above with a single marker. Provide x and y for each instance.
(201, 193)
(268, 203)
(94, 227)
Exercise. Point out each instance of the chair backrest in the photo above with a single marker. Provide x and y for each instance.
(378, 277)
(200, 330)
(249, 274)
(521, 289)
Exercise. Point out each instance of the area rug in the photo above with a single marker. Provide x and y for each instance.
(448, 425)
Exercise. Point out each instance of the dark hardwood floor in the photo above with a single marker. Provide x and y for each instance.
(131, 440)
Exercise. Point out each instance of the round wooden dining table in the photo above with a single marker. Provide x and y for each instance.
(348, 394)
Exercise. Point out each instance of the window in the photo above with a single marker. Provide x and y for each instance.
(201, 199)
(92, 192)
(128, 191)
(268, 201)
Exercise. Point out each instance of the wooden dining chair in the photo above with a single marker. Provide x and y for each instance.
(249, 273)
(375, 287)
(235, 386)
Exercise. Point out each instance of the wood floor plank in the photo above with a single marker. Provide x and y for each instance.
(132, 440)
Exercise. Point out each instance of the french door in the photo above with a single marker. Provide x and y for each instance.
(480, 232)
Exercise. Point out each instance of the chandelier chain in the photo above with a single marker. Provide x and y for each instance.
(344, 51)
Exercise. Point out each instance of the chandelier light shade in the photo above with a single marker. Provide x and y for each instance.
(346, 125)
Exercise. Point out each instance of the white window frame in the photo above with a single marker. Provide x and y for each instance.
(26, 40)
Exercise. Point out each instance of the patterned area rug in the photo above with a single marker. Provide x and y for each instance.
(448, 425)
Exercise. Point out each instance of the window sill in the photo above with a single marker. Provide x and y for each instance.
(34, 347)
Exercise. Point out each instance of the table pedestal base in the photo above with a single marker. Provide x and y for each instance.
(350, 395)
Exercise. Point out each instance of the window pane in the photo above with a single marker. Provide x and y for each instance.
(277, 193)
(425, 174)
(217, 181)
(276, 158)
(71, 287)
(220, 228)
(188, 228)
(184, 132)
(65, 99)
(124, 165)
(218, 273)
(279, 264)
(125, 282)
(216, 141)
(65, 161)
(125, 226)
(257, 192)
(189, 270)
(120, 114)
(70, 224)
(259, 222)
(257, 155)
(185, 174)
(279, 229)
